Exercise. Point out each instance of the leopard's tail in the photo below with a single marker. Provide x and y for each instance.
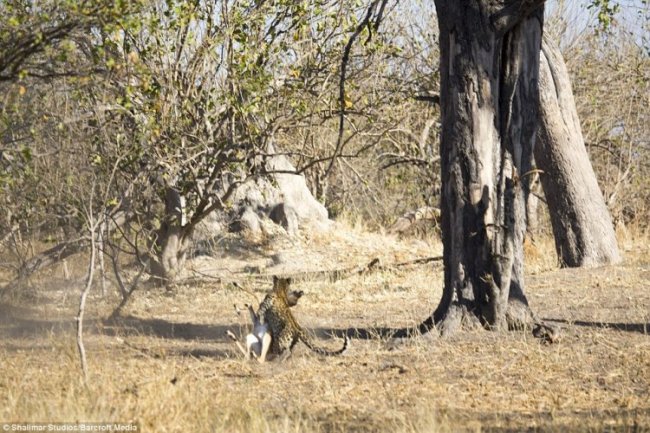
(308, 342)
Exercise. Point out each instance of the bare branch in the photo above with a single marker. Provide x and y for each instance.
(344, 65)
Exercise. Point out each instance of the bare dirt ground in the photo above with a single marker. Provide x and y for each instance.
(167, 364)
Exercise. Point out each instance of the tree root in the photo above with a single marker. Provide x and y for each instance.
(457, 316)
(548, 334)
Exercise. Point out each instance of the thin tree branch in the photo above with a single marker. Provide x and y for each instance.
(344, 65)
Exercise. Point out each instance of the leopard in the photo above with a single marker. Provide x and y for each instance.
(258, 341)
(275, 313)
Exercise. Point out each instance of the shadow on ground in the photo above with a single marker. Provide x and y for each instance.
(641, 328)
(160, 328)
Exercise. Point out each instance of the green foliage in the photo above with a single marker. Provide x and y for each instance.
(606, 12)
(38, 40)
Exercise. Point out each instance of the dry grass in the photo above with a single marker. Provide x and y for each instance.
(169, 367)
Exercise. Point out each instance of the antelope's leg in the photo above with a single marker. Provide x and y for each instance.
(266, 344)
(241, 348)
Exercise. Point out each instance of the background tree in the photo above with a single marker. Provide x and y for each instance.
(44, 56)
(582, 227)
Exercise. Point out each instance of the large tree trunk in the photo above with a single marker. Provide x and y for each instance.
(582, 227)
(489, 98)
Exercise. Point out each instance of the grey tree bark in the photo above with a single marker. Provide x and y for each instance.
(489, 97)
(172, 242)
(582, 226)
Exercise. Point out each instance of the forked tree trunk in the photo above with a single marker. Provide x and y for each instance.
(582, 226)
(489, 79)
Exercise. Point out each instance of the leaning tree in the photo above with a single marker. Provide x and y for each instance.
(582, 226)
(489, 71)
